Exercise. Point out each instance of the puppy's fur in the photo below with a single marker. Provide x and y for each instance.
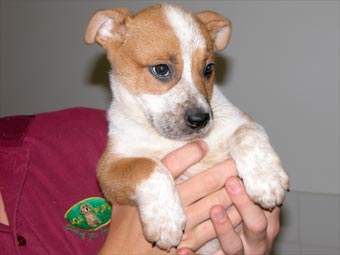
(164, 96)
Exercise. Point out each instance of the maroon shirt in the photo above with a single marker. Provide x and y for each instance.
(47, 171)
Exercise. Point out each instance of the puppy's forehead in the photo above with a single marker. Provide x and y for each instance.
(165, 29)
(185, 27)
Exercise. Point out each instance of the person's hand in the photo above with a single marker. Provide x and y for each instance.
(256, 234)
(198, 195)
(125, 234)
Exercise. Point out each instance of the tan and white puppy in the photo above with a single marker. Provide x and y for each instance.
(162, 80)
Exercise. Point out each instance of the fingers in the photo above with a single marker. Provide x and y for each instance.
(259, 227)
(181, 159)
(229, 239)
(206, 182)
(204, 232)
(254, 233)
(273, 223)
(199, 211)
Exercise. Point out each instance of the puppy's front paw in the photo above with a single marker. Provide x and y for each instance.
(259, 166)
(267, 185)
(164, 227)
(161, 212)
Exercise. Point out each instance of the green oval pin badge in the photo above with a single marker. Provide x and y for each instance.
(89, 214)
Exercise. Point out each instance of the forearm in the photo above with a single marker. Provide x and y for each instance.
(126, 236)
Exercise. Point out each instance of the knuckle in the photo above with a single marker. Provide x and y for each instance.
(259, 226)
(171, 162)
(235, 249)
(222, 198)
(211, 182)
(198, 150)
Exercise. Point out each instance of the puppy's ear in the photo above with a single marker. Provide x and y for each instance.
(107, 27)
(218, 26)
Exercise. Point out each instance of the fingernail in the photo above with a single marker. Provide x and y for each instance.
(234, 185)
(218, 214)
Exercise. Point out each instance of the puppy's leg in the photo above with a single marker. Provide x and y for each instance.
(149, 185)
(258, 165)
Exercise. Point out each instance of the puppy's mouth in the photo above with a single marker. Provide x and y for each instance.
(190, 124)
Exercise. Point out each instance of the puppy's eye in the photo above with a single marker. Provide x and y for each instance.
(208, 69)
(161, 71)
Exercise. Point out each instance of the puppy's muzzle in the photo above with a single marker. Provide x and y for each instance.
(196, 118)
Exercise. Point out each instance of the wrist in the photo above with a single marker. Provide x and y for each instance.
(126, 235)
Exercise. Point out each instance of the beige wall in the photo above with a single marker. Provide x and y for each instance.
(282, 67)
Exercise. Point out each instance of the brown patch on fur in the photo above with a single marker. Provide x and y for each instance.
(242, 129)
(118, 16)
(118, 177)
(243, 140)
(219, 28)
(241, 132)
(210, 24)
(135, 47)
(143, 49)
(200, 58)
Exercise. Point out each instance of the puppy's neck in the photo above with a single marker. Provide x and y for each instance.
(125, 102)
(125, 110)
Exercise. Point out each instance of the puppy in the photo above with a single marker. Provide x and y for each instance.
(162, 80)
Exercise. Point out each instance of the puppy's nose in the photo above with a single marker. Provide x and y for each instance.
(196, 118)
